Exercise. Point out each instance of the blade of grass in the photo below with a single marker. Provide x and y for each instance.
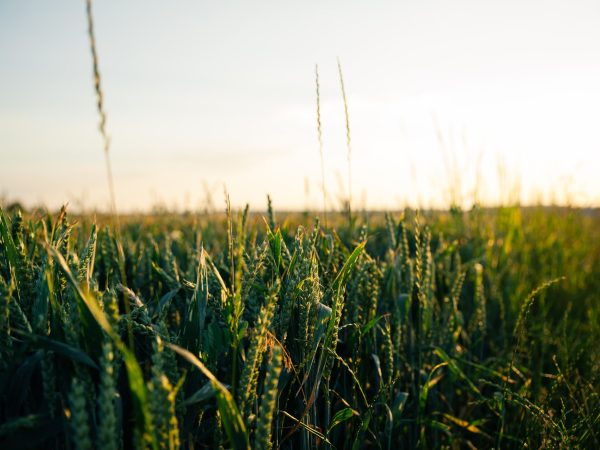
(230, 415)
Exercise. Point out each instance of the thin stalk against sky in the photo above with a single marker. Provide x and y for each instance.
(101, 112)
(348, 141)
(320, 137)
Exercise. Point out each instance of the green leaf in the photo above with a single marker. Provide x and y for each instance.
(341, 416)
(359, 440)
(202, 394)
(165, 299)
(230, 415)
(431, 381)
(338, 283)
(370, 325)
(66, 350)
(276, 245)
(342, 276)
(399, 404)
(456, 371)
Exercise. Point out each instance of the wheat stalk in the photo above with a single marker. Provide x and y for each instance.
(348, 140)
(320, 138)
(101, 112)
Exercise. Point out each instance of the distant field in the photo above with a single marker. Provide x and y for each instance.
(461, 329)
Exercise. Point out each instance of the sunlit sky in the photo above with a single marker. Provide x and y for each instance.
(443, 96)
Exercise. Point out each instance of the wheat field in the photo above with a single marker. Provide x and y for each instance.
(332, 329)
(467, 329)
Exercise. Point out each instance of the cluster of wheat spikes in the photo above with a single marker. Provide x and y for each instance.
(405, 332)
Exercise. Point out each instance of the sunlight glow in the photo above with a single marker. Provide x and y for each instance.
(458, 102)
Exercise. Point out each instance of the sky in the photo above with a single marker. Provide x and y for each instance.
(456, 101)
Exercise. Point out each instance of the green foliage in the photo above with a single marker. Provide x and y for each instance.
(437, 330)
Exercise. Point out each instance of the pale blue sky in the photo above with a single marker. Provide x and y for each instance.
(222, 93)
